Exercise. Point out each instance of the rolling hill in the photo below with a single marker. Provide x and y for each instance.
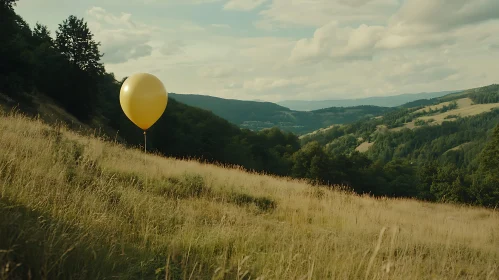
(74, 206)
(447, 120)
(384, 101)
(256, 115)
(81, 201)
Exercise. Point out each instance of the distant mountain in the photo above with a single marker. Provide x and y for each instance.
(385, 101)
(256, 115)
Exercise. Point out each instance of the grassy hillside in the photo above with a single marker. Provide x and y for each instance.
(422, 113)
(436, 149)
(383, 101)
(256, 115)
(79, 207)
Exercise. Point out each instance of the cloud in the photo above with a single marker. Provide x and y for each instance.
(222, 26)
(172, 48)
(417, 24)
(421, 71)
(185, 2)
(265, 83)
(444, 14)
(333, 42)
(370, 48)
(354, 3)
(121, 38)
(243, 5)
(217, 72)
(316, 13)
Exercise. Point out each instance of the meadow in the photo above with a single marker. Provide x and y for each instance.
(82, 207)
(465, 108)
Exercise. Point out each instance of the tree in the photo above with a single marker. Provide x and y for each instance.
(75, 41)
(15, 52)
(80, 79)
(486, 182)
(41, 34)
(8, 4)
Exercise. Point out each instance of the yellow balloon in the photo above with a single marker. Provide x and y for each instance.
(143, 99)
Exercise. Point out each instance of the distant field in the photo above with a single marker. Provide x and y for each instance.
(318, 131)
(465, 108)
(363, 147)
(78, 207)
(459, 147)
(461, 103)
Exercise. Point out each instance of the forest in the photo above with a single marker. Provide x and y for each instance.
(420, 163)
(257, 116)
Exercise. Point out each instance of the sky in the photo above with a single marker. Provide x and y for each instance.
(277, 50)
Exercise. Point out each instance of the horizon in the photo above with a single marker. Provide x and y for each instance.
(261, 49)
(321, 100)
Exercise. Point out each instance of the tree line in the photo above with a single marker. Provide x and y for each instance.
(68, 68)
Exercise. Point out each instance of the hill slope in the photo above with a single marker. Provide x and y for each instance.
(442, 142)
(256, 115)
(102, 211)
(384, 101)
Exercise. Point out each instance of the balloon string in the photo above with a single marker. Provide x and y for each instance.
(145, 142)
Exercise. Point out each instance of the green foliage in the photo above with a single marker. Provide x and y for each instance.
(484, 95)
(420, 122)
(420, 103)
(75, 41)
(8, 4)
(486, 182)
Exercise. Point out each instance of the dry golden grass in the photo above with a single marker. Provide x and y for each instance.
(462, 112)
(458, 147)
(364, 146)
(461, 103)
(78, 206)
(465, 108)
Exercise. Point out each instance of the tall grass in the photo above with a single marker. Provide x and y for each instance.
(75, 207)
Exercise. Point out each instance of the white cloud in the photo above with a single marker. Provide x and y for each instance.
(172, 48)
(333, 42)
(359, 47)
(121, 38)
(444, 14)
(418, 24)
(222, 26)
(243, 5)
(268, 83)
(316, 13)
(217, 71)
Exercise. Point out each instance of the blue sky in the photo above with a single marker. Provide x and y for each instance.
(291, 49)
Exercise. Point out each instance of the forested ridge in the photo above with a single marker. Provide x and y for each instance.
(257, 116)
(421, 163)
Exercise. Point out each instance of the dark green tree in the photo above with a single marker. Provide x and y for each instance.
(7, 4)
(75, 41)
(79, 77)
(486, 182)
(41, 35)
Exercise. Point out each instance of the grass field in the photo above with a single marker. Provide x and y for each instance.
(74, 207)
(465, 108)
(364, 146)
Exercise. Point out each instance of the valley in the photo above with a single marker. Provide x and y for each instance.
(257, 116)
(232, 189)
